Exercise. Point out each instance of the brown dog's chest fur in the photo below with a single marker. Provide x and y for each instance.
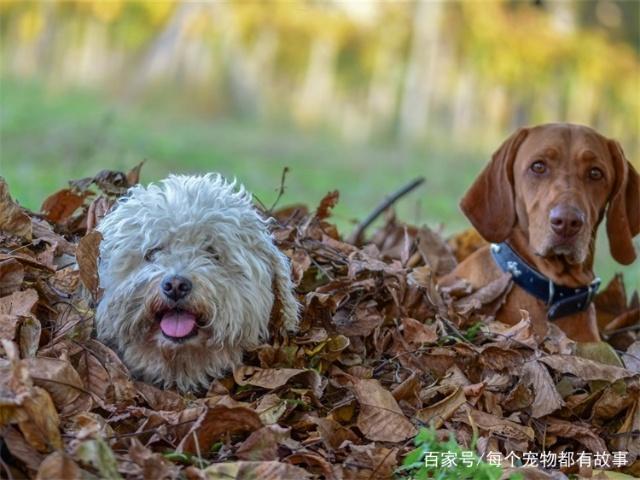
(479, 269)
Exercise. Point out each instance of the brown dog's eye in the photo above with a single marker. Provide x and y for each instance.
(150, 254)
(538, 167)
(596, 174)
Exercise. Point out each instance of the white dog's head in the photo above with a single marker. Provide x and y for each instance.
(190, 275)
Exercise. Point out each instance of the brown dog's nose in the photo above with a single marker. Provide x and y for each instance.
(175, 287)
(566, 221)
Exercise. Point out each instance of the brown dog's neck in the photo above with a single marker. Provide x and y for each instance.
(556, 268)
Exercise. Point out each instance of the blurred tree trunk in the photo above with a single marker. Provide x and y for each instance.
(316, 93)
(161, 54)
(421, 71)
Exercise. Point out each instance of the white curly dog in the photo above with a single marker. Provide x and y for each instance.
(190, 276)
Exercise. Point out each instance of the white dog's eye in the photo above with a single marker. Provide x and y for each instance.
(213, 253)
(150, 254)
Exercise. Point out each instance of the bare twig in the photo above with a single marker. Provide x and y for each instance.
(631, 328)
(356, 236)
(285, 170)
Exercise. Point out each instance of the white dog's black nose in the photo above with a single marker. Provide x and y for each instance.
(175, 287)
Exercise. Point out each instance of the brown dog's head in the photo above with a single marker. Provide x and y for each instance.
(555, 182)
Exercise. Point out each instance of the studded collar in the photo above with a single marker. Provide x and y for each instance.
(560, 300)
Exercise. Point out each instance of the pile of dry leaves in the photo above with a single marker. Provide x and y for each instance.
(380, 353)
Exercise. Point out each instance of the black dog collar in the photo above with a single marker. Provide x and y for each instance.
(560, 300)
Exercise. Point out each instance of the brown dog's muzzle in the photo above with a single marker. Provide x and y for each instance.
(566, 221)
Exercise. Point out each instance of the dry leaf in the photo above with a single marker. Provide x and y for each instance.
(11, 276)
(57, 208)
(152, 465)
(546, 398)
(275, 378)
(262, 445)
(416, 332)
(258, 470)
(13, 219)
(62, 382)
(333, 434)
(576, 431)
(441, 411)
(19, 303)
(216, 422)
(133, 175)
(58, 465)
(585, 369)
(380, 417)
(41, 425)
(87, 255)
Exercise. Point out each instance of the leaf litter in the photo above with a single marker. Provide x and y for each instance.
(381, 352)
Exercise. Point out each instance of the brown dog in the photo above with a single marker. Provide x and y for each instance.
(543, 195)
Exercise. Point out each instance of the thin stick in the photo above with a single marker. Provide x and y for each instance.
(356, 236)
(285, 170)
(608, 334)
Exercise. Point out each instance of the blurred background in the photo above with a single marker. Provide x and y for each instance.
(359, 96)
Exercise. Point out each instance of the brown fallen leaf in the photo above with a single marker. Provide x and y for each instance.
(97, 210)
(272, 378)
(87, 255)
(314, 463)
(29, 332)
(133, 175)
(333, 434)
(41, 425)
(435, 252)
(519, 434)
(8, 326)
(631, 358)
(58, 465)
(216, 422)
(546, 398)
(487, 298)
(249, 470)
(152, 465)
(11, 276)
(416, 332)
(104, 375)
(160, 399)
(13, 219)
(437, 413)
(58, 207)
(19, 303)
(369, 461)
(329, 201)
(62, 382)
(262, 445)
(465, 243)
(584, 368)
(583, 433)
(380, 417)
(21, 449)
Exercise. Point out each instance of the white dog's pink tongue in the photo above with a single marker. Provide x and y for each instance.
(177, 324)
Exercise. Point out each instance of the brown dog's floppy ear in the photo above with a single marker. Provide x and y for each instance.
(623, 214)
(489, 203)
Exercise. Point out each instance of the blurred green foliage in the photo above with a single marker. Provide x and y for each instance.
(465, 71)
(358, 96)
(49, 138)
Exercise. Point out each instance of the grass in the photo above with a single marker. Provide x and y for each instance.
(48, 137)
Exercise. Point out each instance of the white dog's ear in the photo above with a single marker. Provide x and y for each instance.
(285, 304)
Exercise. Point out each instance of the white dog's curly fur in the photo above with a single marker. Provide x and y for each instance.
(190, 275)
